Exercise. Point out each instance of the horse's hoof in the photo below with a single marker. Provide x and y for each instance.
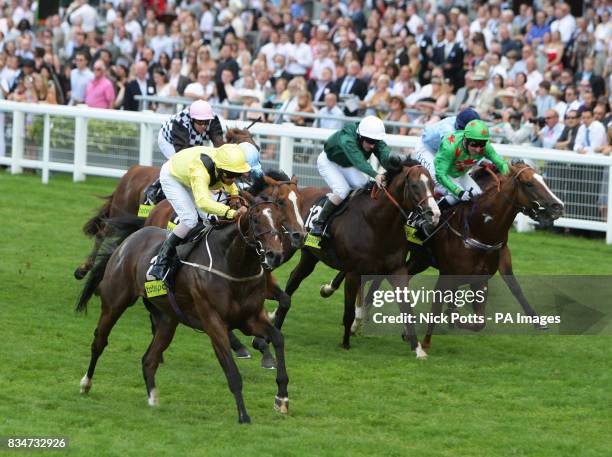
(243, 353)
(420, 353)
(540, 326)
(268, 362)
(80, 273)
(326, 291)
(244, 419)
(346, 346)
(153, 398)
(85, 385)
(281, 404)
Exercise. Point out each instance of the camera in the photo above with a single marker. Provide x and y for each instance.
(541, 122)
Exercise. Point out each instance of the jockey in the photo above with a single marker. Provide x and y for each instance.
(344, 163)
(194, 126)
(457, 154)
(427, 146)
(187, 179)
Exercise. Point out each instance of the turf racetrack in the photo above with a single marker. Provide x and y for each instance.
(474, 396)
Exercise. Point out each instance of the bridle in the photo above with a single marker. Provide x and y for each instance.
(406, 194)
(532, 211)
(253, 240)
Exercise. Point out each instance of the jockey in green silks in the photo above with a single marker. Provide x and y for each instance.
(457, 154)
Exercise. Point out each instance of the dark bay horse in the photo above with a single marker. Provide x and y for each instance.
(220, 288)
(279, 188)
(128, 196)
(368, 238)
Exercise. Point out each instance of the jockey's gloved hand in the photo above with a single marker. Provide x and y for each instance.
(465, 196)
(380, 180)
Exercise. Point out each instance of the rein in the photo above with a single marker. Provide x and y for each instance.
(375, 190)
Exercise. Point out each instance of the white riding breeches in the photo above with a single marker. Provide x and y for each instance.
(181, 199)
(426, 158)
(341, 180)
(166, 148)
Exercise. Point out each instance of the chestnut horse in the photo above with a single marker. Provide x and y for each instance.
(215, 300)
(368, 238)
(128, 196)
(472, 240)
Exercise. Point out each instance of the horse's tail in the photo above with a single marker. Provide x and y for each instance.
(93, 226)
(119, 229)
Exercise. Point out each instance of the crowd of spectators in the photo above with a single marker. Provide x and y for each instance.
(540, 75)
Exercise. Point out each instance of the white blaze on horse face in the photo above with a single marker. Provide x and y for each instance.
(431, 201)
(540, 179)
(268, 213)
(293, 197)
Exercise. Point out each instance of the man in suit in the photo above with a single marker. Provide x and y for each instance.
(480, 97)
(448, 54)
(597, 82)
(178, 81)
(142, 85)
(319, 88)
(351, 85)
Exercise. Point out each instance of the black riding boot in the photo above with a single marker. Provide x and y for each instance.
(165, 257)
(443, 204)
(319, 223)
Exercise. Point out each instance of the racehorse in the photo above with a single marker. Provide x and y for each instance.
(472, 239)
(284, 191)
(368, 237)
(220, 287)
(128, 196)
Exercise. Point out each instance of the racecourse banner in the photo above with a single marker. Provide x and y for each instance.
(463, 305)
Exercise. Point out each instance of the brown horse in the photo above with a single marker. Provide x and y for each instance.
(368, 238)
(128, 196)
(220, 287)
(285, 192)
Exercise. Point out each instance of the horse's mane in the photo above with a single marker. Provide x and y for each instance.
(393, 172)
(259, 184)
(235, 135)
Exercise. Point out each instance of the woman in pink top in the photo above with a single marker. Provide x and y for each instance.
(100, 92)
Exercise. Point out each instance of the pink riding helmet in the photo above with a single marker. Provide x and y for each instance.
(201, 111)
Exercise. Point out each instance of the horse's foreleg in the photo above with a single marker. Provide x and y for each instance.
(263, 329)
(239, 349)
(111, 310)
(507, 274)
(436, 311)
(351, 287)
(401, 280)
(303, 269)
(327, 290)
(164, 332)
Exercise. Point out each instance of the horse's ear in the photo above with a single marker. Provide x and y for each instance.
(517, 162)
(294, 180)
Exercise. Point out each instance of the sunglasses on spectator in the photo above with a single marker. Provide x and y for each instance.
(200, 121)
(370, 141)
(477, 143)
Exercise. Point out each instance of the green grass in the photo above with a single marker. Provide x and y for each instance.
(474, 396)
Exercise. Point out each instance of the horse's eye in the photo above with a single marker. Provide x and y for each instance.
(529, 184)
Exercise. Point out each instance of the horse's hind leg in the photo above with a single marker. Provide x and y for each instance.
(164, 332)
(82, 270)
(219, 336)
(110, 313)
(303, 269)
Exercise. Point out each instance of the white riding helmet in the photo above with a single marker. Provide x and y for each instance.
(371, 127)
